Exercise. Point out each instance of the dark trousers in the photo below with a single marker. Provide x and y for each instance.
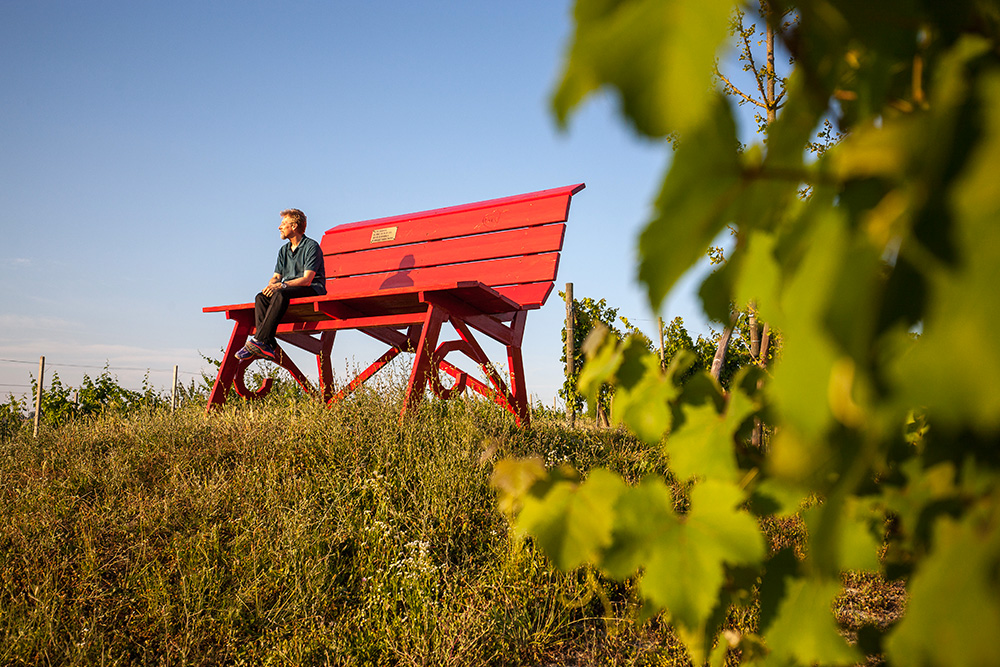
(270, 309)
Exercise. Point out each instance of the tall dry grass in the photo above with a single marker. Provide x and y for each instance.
(285, 533)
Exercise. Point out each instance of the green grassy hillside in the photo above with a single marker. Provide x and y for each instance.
(286, 533)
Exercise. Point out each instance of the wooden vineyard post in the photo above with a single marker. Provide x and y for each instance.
(570, 355)
(38, 394)
(173, 391)
(659, 327)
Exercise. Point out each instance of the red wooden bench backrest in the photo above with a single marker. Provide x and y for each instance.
(511, 244)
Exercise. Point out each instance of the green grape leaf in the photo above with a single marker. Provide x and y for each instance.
(785, 499)
(952, 367)
(604, 357)
(740, 406)
(636, 362)
(795, 462)
(924, 487)
(840, 536)
(852, 313)
(572, 522)
(801, 382)
(779, 570)
(514, 479)
(953, 612)
(880, 285)
(716, 518)
(760, 277)
(693, 204)
(873, 152)
(644, 513)
(657, 54)
(804, 630)
(686, 566)
(644, 407)
(716, 291)
(703, 445)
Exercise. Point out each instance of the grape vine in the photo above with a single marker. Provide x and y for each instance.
(885, 401)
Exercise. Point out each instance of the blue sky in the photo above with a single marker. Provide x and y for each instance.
(147, 148)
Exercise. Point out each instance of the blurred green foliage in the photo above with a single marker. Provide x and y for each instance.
(885, 441)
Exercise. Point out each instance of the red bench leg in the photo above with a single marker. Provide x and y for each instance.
(515, 364)
(423, 363)
(500, 395)
(230, 364)
(362, 377)
(240, 383)
(325, 365)
(286, 362)
(522, 413)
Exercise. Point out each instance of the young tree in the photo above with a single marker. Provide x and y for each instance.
(763, 89)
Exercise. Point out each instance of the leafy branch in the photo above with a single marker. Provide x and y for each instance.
(884, 441)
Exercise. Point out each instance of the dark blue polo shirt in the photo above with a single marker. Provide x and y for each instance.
(307, 256)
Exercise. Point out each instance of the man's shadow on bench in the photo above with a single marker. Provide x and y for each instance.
(402, 277)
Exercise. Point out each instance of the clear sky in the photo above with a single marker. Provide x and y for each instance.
(147, 148)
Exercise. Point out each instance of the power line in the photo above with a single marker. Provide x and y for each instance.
(110, 368)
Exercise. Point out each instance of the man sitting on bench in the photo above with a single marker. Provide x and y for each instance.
(298, 272)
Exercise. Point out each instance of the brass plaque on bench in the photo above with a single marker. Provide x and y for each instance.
(384, 234)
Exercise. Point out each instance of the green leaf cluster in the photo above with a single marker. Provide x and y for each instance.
(885, 401)
(589, 315)
(60, 402)
(12, 416)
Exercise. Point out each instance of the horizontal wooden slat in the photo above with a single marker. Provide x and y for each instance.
(494, 215)
(372, 305)
(471, 301)
(223, 309)
(507, 271)
(530, 296)
(303, 341)
(510, 243)
(393, 300)
(402, 320)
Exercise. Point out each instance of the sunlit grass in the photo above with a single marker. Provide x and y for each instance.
(283, 532)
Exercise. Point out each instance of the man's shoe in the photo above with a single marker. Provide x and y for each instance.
(246, 352)
(263, 350)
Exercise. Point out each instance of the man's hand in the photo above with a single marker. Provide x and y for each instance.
(272, 287)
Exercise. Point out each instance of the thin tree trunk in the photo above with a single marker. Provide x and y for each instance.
(772, 109)
(770, 105)
(720, 352)
(757, 435)
(602, 417)
(759, 351)
(570, 356)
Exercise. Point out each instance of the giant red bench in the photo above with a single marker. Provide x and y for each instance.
(479, 266)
